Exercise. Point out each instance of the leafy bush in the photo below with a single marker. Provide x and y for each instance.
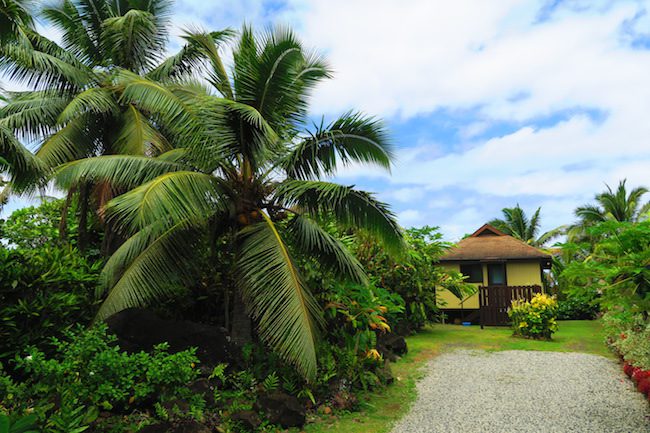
(43, 293)
(573, 308)
(36, 226)
(90, 366)
(534, 319)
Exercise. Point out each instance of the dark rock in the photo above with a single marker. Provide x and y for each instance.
(283, 409)
(204, 388)
(139, 330)
(248, 419)
(390, 345)
(176, 405)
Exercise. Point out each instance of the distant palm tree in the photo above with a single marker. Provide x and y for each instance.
(610, 205)
(616, 205)
(516, 223)
(254, 178)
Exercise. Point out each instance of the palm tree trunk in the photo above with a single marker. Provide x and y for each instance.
(84, 199)
(242, 327)
(63, 224)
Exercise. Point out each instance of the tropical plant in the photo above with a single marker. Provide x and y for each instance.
(252, 176)
(619, 205)
(536, 318)
(415, 276)
(516, 223)
(77, 107)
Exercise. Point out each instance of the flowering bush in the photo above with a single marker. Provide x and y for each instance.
(534, 319)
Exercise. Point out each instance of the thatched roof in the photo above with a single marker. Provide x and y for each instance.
(488, 243)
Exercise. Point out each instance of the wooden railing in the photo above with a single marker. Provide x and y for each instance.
(494, 302)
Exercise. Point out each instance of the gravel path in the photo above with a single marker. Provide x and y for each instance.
(522, 391)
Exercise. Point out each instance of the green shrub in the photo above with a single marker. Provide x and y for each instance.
(43, 293)
(90, 366)
(576, 309)
(535, 319)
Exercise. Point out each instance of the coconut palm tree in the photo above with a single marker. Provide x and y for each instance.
(516, 223)
(616, 205)
(75, 108)
(253, 176)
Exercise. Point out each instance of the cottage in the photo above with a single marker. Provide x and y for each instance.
(503, 268)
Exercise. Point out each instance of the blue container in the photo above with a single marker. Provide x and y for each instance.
(467, 323)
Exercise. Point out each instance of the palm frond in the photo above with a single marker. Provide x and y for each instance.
(357, 209)
(122, 171)
(147, 267)
(330, 252)
(39, 69)
(351, 138)
(138, 137)
(14, 15)
(97, 100)
(175, 196)
(65, 16)
(287, 314)
(72, 141)
(32, 115)
(207, 44)
(132, 40)
(25, 170)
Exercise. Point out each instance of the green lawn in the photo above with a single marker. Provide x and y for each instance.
(381, 409)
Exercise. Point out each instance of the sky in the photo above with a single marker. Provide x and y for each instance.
(489, 104)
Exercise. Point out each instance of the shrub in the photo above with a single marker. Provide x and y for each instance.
(43, 293)
(534, 319)
(574, 308)
(91, 367)
(633, 345)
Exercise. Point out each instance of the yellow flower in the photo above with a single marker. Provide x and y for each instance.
(373, 354)
(523, 325)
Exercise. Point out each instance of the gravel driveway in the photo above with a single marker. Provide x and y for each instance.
(522, 391)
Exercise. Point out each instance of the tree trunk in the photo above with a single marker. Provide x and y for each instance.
(84, 199)
(242, 326)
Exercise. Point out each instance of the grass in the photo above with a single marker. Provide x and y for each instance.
(381, 409)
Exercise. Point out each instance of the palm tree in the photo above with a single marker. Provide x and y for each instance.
(253, 177)
(75, 109)
(616, 205)
(516, 223)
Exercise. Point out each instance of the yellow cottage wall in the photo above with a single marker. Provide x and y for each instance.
(517, 274)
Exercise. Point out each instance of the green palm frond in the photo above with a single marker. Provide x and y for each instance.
(65, 16)
(208, 44)
(151, 266)
(330, 252)
(287, 314)
(72, 141)
(95, 100)
(357, 209)
(132, 40)
(138, 137)
(32, 115)
(14, 15)
(351, 138)
(40, 70)
(175, 197)
(25, 170)
(122, 171)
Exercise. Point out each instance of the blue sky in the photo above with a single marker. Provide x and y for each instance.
(489, 103)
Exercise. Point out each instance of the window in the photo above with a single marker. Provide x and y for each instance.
(474, 272)
(497, 274)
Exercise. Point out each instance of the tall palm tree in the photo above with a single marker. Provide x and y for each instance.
(516, 223)
(616, 205)
(75, 108)
(254, 177)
